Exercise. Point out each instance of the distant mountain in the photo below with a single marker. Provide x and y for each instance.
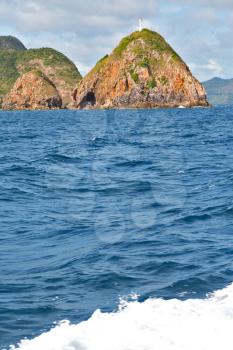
(219, 91)
(9, 43)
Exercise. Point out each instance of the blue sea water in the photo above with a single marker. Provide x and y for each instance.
(101, 205)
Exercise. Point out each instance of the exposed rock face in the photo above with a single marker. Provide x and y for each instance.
(57, 67)
(32, 91)
(16, 60)
(142, 72)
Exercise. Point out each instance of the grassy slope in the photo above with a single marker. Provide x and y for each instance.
(8, 71)
(153, 40)
(10, 61)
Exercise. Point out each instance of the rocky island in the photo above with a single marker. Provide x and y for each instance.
(35, 78)
(143, 71)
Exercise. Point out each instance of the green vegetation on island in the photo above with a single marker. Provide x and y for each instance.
(143, 71)
(16, 60)
(152, 39)
(144, 55)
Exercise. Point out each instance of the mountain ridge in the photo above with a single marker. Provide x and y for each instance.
(219, 90)
(9, 43)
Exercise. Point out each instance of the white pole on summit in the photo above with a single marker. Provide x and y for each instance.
(140, 24)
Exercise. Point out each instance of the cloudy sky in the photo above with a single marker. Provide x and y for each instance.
(201, 31)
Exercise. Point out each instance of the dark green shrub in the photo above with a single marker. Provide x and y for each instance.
(134, 76)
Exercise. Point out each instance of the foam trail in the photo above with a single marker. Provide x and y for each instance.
(202, 324)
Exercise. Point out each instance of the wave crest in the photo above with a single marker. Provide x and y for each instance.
(200, 324)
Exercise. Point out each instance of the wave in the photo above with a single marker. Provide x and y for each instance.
(200, 324)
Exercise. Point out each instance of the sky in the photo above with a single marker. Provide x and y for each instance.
(201, 31)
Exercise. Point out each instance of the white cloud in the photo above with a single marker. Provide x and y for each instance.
(213, 66)
(210, 69)
(200, 31)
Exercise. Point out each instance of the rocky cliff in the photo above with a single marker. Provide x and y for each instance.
(15, 61)
(142, 72)
(32, 90)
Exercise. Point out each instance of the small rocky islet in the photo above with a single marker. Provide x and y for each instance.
(143, 71)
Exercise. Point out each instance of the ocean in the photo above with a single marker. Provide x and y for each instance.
(116, 229)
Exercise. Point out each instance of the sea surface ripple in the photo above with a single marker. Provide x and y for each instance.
(101, 205)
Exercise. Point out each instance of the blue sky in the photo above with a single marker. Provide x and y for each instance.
(85, 30)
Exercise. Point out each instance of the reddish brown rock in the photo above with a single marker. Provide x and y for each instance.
(32, 90)
(142, 72)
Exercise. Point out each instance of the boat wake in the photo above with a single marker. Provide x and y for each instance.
(200, 324)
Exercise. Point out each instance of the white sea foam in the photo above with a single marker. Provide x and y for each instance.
(202, 324)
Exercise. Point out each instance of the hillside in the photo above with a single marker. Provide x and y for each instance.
(219, 91)
(53, 64)
(143, 71)
(10, 43)
(33, 90)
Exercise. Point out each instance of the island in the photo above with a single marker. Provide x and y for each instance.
(143, 71)
(36, 78)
